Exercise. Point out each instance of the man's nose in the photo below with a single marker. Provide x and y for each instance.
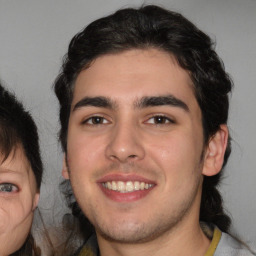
(125, 144)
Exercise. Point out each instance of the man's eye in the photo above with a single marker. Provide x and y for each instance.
(8, 188)
(159, 120)
(95, 120)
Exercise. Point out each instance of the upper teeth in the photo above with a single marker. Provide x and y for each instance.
(128, 186)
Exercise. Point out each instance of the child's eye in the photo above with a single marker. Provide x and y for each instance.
(96, 120)
(159, 119)
(8, 188)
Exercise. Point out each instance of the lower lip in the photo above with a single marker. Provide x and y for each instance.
(125, 197)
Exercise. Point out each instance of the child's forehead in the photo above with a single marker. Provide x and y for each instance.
(15, 162)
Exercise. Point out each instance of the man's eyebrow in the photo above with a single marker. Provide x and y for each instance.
(101, 102)
(168, 100)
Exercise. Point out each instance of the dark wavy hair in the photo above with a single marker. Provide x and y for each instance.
(17, 128)
(154, 27)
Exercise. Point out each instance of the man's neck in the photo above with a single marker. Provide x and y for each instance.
(181, 241)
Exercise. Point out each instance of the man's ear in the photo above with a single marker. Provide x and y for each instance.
(214, 155)
(65, 173)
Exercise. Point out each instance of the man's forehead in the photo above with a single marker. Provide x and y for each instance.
(142, 60)
(142, 72)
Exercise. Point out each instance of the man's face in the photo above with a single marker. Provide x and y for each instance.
(135, 145)
(18, 198)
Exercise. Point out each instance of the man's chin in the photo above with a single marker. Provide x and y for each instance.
(129, 235)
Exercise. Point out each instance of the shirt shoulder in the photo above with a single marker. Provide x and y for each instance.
(90, 248)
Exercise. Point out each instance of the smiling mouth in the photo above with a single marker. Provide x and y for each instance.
(126, 187)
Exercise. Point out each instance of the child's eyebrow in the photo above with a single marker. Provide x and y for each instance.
(9, 171)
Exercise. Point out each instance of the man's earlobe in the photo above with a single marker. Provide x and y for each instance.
(65, 173)
(214, 155)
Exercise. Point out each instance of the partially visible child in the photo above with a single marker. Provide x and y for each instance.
(20, 177)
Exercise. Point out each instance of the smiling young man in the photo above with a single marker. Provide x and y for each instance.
(144, 107)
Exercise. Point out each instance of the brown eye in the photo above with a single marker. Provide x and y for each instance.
(96, 120)
(159, 119)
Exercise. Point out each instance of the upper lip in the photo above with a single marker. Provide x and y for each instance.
(125, 178)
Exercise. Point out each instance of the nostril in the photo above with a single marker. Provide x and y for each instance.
(132, 156)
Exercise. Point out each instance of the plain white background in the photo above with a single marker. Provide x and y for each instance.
(34, 36)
